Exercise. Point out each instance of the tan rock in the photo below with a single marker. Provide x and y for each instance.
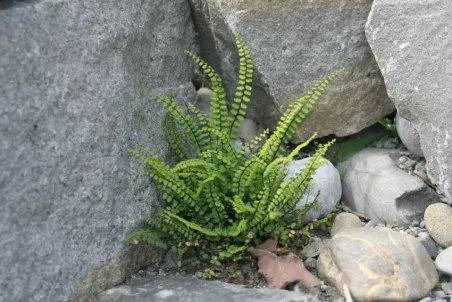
(378, 265)
(345, 221)
(438, 221)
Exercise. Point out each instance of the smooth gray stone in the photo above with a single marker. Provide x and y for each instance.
(326, 183)
(373, 185)
(443, 261)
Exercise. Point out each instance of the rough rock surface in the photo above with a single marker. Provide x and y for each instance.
(438, 221)
(71, 107)
(326, 180)
(179, 289)
(408, 135)
(344, 221)
(378, 265)
(444, 261)
(374, 186)
(294, 44)
(415, 61)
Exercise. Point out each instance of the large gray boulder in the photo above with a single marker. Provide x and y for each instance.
(294, 44)
(411, 41)
(71, 107)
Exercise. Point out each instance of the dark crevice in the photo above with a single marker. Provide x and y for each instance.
(5, 4)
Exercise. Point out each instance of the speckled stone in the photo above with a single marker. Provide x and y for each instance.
(378, 265)
(438, 221)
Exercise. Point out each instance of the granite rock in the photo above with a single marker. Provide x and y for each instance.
(438, 222)
(415, 61)
(71, 107)
(344, 221)
(373, 185)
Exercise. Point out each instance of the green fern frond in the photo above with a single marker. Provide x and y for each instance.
(219, 201)
(204, 125)
(231, 231)
(145, 235)
(292, 189)
(244, 89)
(175, 139)
(214, 201)
(249, 148)
(166, 178)
(194, 164)
(187, 123)
(245, 174)
(294, 116)
(240, 207)
(220, 115)
(260, 205)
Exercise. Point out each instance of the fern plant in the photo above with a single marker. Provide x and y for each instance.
(218, 200)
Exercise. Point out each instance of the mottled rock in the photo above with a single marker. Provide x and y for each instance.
(314, 248)
(438, 221)
(294, 44)
(71, 106)
(374, 186)
(247, 130)
(378, 265)
(439, 294)
(310, 263)
(415, 61)
(204, 98)
(429, 244)
(447, 287)
(344, 221)
(178, 289)
(408, 135)
(444, 261)
(326, 181)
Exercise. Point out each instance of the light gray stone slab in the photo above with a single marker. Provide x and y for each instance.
(179, 289)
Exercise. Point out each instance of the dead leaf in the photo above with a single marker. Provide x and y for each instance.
(282, 270)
